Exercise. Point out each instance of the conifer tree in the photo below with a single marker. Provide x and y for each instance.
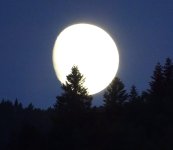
(168, 70)
(157, 83)
(115, 94)
(156, 92)
(168, 75)
(17, 104)
(168, 85)
(75, 97)
(133, 95)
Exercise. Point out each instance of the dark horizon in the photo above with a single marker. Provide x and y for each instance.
(127, 120)
(141, 29)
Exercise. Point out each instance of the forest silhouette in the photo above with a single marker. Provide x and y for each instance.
(125, 121)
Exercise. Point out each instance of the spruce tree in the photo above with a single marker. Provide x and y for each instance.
(157, 83)
(156, 92)
(168, 70)
(133, 95)
(75, 97)
(115, 94)
(168, 85)
(168, 75)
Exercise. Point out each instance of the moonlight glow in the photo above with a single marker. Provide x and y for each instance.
(92, 50)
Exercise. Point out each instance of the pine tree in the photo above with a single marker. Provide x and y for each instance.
(75, 97)
(168, 75)
(17, 104)
(156, 92)
(168, 85)
(115, 94)
(30, 107)
(157, 83)
(168, 70)
(133, 95)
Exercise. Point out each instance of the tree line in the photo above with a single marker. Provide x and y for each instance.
(125, 121)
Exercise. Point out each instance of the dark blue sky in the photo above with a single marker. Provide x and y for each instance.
(142, 29)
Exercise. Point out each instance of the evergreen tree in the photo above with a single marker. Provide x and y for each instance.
(75, 97)
(168, 85)
(162, 80)
(134, 104)
(162, 83)
(30, 107)
(168, 70)
(157, 83)
(18, 105)
(115, 94)
(156, 93)
(168, 75)
(133, 95)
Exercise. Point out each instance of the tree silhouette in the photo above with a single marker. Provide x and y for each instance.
(71, 113)
(17, 104)
(156, 85)
(162, 80)
(75, 97)
(133, 95)
(168, 75)
(156, 90)
(168, 70)
(30, 107)
(168, 85)
(128, 121)
(115, 95)
(159, 105)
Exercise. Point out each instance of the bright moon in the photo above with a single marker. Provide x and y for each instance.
(89, 48)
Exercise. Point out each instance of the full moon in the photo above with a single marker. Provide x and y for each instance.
(92, 50)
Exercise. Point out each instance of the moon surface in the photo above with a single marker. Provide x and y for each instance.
(92, 50)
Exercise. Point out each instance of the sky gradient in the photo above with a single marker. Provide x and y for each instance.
(142, 30)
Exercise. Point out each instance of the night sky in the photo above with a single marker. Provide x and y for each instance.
(142, 30)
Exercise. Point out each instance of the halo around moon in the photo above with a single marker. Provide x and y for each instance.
(92, 50)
